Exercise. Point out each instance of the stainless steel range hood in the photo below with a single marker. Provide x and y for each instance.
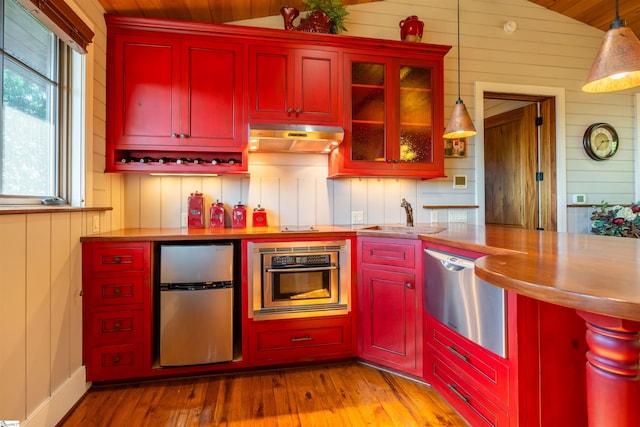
(270, 138)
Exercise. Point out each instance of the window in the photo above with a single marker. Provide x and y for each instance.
(37, 119)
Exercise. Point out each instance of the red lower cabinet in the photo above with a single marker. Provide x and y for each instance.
(540, 382)
(301, 340)
(117, 306)
(476, 406)
(390, 303)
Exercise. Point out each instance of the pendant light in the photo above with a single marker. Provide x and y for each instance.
(460, 124)
(617, 66)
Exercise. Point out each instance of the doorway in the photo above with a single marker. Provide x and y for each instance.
(519, 160)
(549, 195)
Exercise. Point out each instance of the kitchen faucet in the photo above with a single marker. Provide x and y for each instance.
(409, 211)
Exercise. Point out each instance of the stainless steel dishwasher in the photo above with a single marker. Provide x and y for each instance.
(458, 299)
(196, 304)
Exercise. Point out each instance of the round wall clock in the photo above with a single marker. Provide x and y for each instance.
(600, 141)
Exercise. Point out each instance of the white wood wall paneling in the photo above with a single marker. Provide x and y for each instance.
(13, 299)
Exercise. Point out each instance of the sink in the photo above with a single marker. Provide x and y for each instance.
(405, 229)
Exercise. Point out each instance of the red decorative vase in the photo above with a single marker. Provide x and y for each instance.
(411, 29)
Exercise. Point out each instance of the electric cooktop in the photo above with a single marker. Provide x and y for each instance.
(298, 228)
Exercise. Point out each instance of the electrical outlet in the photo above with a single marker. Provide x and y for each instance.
(357, 217)
(95, 226)
(184, 220)
(434, 216)
(460, 216)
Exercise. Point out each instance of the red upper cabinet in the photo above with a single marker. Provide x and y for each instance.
(294, 85)
(174, 99)
(145, 95)
(176, 92)
(393, 113)
(211, 102)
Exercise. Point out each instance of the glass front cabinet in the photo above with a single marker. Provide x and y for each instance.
(393, 118)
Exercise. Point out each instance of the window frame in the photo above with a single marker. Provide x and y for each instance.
(69, 163)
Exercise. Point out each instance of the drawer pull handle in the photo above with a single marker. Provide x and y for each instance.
(457, 353)
(455, 391)
(116, 260)
(116, 360)
(296, 339)
(116, 326)
(116, 291)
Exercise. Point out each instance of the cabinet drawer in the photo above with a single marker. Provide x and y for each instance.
(116, 362)
(392, 253)
(476, 407)
(116, 290)
(300, 339)
(118, 258)
(488, 371)
(117, 326)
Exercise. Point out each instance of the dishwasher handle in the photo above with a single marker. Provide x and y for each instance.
(449, 261)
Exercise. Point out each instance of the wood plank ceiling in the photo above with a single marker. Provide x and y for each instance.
(597, 13)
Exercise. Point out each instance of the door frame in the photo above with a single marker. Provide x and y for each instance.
(561, 160)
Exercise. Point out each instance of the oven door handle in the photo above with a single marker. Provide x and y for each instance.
(299, 270)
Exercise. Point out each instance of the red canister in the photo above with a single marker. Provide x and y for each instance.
(195, 210)
(216, 215)
(239, 216)
(259, 217)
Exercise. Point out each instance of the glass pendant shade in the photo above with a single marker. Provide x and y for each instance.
(617, 66)
(460, 124)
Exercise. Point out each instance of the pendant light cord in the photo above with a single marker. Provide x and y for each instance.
(459, 48)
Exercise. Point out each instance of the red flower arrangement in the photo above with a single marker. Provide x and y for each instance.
(616, 220)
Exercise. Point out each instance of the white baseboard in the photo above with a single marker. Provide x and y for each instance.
(51, 411)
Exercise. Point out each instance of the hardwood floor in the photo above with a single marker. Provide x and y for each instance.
(348, 394)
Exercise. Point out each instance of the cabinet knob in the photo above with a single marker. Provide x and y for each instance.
(298, 110)
(116, 360)
(117, 260)
(289, 110)
(174, 135)
(184, 135)
(116, 291)
(409, 285)
(116, 325)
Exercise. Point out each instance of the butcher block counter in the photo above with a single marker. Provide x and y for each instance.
(599, 276)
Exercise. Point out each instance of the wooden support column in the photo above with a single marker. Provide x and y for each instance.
(613, 371)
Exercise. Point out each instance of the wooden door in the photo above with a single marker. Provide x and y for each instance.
(510, 159)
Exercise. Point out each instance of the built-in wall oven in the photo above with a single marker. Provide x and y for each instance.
(299, 279)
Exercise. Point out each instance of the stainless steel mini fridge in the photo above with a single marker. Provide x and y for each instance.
(196, 304)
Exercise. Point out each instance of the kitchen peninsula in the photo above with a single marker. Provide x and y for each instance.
(598, 276)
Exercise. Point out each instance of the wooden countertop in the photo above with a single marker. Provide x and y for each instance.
(592, 273)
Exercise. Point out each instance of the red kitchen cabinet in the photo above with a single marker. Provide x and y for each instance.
(541, 381)
(390, 303)
(117, 302)
(173, 97)
(294, 85)
(393, 115)
(300, 340)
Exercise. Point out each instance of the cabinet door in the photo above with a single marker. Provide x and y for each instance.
(316, 86)
(388, 324)
(296, 85)
(146, 93)
(211, 113)
(391, 106)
